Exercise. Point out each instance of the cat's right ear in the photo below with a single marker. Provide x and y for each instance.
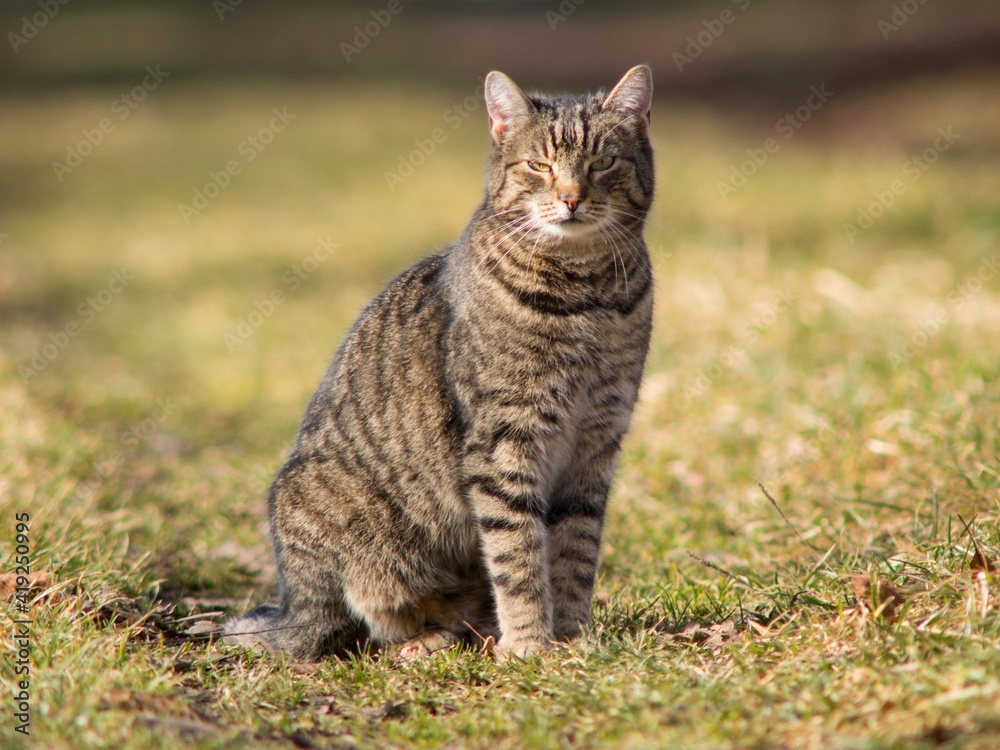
(506, 104)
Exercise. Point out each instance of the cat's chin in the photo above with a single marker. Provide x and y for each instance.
(569, 230)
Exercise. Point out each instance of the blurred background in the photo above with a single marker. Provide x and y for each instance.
(196, 199)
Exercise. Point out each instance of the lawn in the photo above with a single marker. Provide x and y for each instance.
(827, 334)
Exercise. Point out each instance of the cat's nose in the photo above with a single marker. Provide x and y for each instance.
(571, 196)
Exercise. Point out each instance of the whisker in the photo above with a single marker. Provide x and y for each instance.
(635, 236)
(649, 221)
(534, 248)
(631, 242)
(516, 242)
(616, 255)
(504, 211)
(517, 223)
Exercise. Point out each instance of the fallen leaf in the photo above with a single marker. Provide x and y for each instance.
(981, 562)
(324, 704)
(713, 637)
(38, 582)
(132, 700)
(203, 628)
(720, 634)
(303, 740)
(882, 448)
(389, 710)
(191, 730)
(108, 605)
(878, 597)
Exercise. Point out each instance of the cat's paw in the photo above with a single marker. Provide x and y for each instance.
(520, 649)
(571, 630)
(424, 644)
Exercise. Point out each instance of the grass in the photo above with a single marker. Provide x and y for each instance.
(143, 446)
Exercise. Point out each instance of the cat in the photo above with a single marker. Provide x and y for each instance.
(451, 474)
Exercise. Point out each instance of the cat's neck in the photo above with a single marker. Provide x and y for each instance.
(576, 270)
(493, 242)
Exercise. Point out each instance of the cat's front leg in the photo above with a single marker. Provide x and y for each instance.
(575, 523)
(575, 526)
(503, 483)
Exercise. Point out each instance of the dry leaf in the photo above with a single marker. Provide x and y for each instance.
(186, 728)
(324, 704)
(203, 628)
(38, 582)
(713, 637)
(878, 597)
(109, 605)
(981, 562)
(720, 634)
(131, 700)
(389, 710)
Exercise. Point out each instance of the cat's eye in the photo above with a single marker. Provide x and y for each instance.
(603, 163)
(539, 166)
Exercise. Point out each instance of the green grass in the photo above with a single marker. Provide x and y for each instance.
(143, 447)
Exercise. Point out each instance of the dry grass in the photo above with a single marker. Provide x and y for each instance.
(143, 447)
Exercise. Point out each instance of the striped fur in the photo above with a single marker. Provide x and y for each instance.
(453, 467)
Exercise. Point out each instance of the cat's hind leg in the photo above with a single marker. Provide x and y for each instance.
(311, 622)
(305, 632)
(313, 619)
(441, 620)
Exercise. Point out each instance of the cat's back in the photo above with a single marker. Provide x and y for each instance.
(383, 411)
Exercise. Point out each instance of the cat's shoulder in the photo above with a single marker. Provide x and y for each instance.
(416, 289)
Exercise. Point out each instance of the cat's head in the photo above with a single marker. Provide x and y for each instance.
(571, 166)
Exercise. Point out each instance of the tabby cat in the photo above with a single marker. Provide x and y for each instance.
(452, 470)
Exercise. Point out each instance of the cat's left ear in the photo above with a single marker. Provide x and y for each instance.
(633, 95)
(506, 103)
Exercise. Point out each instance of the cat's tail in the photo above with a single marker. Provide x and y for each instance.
(261, 628)
(299, 634)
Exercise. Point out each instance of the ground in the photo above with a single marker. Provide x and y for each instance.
(826, 334)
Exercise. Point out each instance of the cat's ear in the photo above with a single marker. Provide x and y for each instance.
(506, 103)
(633, 95)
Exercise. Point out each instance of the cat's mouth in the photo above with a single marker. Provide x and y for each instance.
(567, 225)
(572, 227)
